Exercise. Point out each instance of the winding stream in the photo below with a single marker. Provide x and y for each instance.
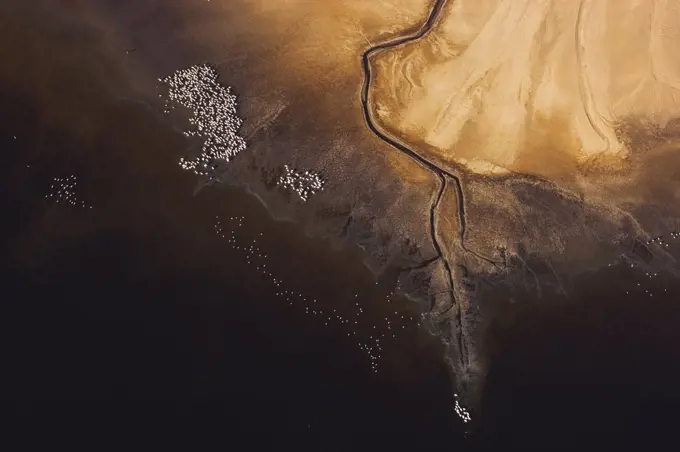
(441, 173)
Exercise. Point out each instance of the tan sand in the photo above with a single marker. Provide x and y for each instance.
(534, 86)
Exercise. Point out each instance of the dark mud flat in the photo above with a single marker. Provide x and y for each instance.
(136, 306)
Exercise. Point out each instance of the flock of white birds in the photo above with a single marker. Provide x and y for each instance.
(460, 411)
(303, 183)
(63, 191)
(652, 283)
(214, 119)
(368, 332)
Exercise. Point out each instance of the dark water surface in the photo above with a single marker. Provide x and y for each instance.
(597, 367)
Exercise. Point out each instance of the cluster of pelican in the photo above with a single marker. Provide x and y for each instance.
(641, 287)
(661, 241)
(373, 351)
(368, 335)
(305, 184)
(460, 411)
(214, 118)
(62, 190)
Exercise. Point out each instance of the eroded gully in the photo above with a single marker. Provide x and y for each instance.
(441, 173)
